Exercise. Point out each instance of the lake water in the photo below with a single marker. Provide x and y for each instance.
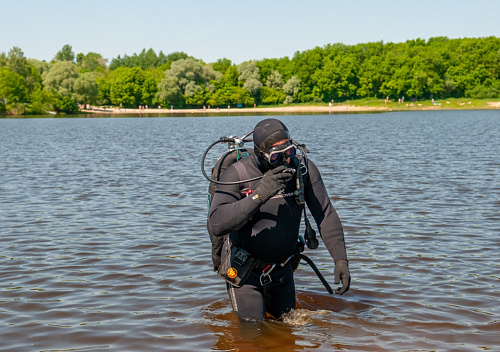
(103, 244)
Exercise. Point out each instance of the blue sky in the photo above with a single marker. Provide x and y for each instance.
(237, 30)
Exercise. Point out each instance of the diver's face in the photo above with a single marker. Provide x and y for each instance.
(280, 153)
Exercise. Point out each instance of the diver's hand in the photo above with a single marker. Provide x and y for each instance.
(341, 273)
(273, 181)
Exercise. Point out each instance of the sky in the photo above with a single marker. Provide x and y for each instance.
(236, 30)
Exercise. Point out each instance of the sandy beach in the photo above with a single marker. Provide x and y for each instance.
(336, 108)
(284, 109)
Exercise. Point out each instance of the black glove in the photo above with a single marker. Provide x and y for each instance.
(273, 181)
(341, 273)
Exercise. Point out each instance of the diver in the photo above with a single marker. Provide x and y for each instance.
(262, 221)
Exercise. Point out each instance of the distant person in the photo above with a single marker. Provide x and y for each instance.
(265, 222)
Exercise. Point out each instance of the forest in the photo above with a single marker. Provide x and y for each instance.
(416, 69)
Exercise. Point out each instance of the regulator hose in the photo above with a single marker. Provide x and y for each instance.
(225, 140)
(315, 268)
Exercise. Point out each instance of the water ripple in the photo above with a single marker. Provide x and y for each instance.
(103, 243)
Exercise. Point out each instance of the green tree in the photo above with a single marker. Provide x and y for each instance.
(370, 75)
(266, 67)
(248, 70)
(40, 101)
(63, 103)
(12, 90)
(305, 64)
(194, 95)
(283, 66)
(291, 88)
(249, 75)
(210, 76)
(222, 65)
(40, 66)
(22, 66)
(225, 95)
(337, 78)
(271, 96)
(91, 62)
(177, 55)
(486, 91)
(169, 91)
(65, 54)
(230, 77)
(147, 59)
(129, 87)
(189, 79)
(275, 80)
(86, 90)
(61, 78)
(17, 62)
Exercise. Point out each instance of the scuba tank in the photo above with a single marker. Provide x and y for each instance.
(236, 150)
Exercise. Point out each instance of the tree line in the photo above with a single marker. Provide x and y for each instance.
(417, 69)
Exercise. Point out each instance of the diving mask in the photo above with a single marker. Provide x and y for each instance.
(276, 153)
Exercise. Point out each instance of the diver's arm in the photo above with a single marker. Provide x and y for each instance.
(329, 226)
(229, 211)
(324, 214)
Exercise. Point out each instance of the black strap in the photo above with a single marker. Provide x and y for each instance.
(242, 174)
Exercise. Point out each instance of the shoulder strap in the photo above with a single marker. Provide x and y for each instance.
(242, 173)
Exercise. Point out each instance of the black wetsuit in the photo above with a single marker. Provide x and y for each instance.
(269, 232)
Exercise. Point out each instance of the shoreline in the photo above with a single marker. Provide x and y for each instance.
(336, 108)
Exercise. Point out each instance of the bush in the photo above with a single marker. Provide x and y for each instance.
(482, 92)
(271, 96)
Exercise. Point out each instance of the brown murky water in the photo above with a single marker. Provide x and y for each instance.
(103, 244)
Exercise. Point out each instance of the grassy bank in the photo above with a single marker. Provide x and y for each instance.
(445, 104)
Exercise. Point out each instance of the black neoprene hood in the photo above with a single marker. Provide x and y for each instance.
(267, 132)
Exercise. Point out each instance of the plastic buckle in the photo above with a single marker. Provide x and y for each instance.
(240, 258)
(265, 277)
